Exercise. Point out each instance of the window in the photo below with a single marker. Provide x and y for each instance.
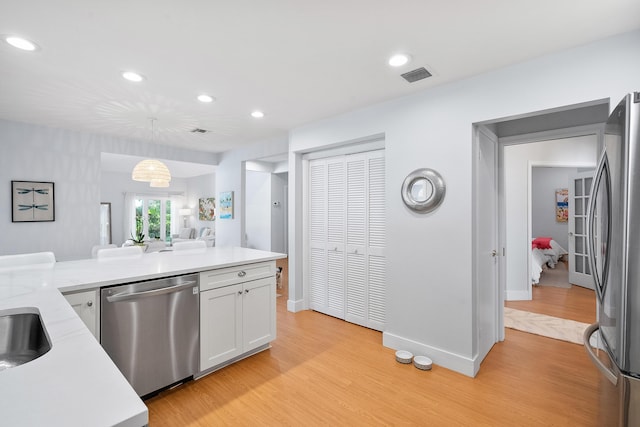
(153, 218)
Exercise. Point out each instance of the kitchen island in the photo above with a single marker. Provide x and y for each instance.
(76, 383)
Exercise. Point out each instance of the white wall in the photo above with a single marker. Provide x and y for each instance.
(278, 213)
(544, 182)
(258, 210)
(230, 176)
(198, 187)
(430, 302)
(71, 160)
(518, 161)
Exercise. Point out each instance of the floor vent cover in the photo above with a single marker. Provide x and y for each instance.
(417, 74)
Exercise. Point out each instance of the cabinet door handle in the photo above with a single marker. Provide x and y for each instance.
(89, 303)
(246, 291)
(239, 292)
(242, 273)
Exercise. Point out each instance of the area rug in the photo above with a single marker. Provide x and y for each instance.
(547, 326)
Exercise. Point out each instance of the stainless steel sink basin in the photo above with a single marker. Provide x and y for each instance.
(23, 337)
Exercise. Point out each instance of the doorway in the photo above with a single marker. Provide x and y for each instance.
(513, 232)
(553, 293)
(265, 193)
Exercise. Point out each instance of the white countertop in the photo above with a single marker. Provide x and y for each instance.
(76, 383)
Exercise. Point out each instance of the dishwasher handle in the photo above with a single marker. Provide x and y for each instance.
(127, 296)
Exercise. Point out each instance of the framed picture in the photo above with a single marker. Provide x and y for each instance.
(206, 209)
(32, 201)
(562, 205)
(226, 205)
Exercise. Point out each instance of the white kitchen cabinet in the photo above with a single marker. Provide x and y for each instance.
(220, 325)
(258, 313)
(87, 305)
(237, 315)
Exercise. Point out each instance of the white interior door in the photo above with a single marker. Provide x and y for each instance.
(579, 191)
(489, 301)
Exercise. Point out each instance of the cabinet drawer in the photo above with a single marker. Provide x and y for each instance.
(213, 279)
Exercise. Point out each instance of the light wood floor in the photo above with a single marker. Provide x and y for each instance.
(324, 371)
(576, 303)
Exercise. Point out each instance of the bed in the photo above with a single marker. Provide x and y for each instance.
(545, 253)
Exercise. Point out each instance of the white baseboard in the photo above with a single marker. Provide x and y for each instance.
(446, 359)
(295, 305)
(517, 295)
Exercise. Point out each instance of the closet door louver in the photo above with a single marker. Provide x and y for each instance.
(347, 238)
(335, 237)
(317, 236)
(377, 237)
(356, 310)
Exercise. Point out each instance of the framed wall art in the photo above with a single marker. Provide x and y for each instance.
(226, 205)
(562, 205)
(32, 201)
(206, 209)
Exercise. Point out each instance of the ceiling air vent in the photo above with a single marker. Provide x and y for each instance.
(417, 74)
(198, 130)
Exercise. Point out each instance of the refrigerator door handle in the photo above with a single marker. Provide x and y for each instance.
(609, 374)
(601, 171)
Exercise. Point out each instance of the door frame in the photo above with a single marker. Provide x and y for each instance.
(564, 133)
(501, 228)
(545, 164)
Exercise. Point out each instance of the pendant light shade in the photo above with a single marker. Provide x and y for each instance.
(152, 171)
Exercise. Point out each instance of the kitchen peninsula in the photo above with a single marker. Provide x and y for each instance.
(76, 383)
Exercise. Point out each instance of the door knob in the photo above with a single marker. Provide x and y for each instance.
(494, 253)
(89, 303)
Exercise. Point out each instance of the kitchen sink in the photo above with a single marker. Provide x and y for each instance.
(23, 337)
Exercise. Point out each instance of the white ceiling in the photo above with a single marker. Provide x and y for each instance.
(110, 162)
(298, 61)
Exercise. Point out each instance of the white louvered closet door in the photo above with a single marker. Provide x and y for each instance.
(356, 280)
(376, 238)
(347, 237)
(318, 235)
(335, 236)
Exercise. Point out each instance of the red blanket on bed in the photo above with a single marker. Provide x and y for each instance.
(541, 243)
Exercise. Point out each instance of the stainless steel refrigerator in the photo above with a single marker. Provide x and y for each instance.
(613, 228)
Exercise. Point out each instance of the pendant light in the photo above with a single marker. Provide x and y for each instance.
(152, 171)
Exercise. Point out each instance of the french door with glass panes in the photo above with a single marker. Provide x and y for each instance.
(579, 191)
(153, 218)
(346, 229)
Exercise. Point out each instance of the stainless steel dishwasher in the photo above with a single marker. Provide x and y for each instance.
(150, 330)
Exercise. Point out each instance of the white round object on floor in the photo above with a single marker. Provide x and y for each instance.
(403, 356)
(422, 362)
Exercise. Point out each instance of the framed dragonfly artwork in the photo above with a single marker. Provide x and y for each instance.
(32, 201)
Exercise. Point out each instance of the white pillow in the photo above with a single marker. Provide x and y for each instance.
(205, 232)
(185, 233)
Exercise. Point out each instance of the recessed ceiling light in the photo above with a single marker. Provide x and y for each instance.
(205, 98)
(132, 76)
(399, 59)
(21, 43)
(257, 114)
